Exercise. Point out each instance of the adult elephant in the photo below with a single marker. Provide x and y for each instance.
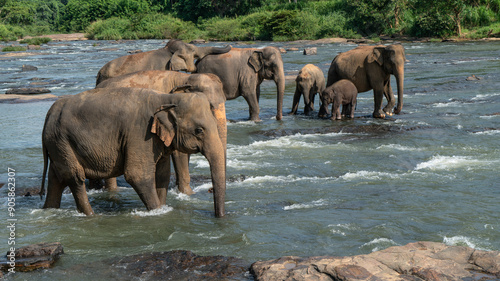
(105, 133)
(165, 81)
(243, 70)
(370, 67)
(176, 55)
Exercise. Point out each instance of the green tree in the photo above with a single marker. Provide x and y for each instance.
(191, 10)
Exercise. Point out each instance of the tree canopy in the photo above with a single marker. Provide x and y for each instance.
(249, 19)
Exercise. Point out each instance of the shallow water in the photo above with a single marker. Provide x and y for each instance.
(304, 186)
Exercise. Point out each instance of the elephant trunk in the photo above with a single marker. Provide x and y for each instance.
(220, 116)
(279, 79)
(400, 77)
(214, 152)
(201, 52)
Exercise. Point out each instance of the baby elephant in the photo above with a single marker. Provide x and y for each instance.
(310, 81)
(342, 92)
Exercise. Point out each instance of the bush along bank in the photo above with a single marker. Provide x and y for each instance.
(253, 19)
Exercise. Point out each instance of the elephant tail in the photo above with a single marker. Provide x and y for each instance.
(45, 166)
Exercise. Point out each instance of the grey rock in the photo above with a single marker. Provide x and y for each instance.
(27, 91)
(311, 51)
(27, 67)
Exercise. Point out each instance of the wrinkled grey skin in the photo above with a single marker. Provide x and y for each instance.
(176, 55)
(104, 133)
(342, 92)
(243, 70)
(165, 81)
(370, 67)
(309, 81)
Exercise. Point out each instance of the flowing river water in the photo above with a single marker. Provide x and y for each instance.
(302, 186)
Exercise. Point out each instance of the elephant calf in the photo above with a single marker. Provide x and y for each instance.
(310, 81)
(342, 92)
(104, 133)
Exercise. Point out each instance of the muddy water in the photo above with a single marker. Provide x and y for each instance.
(303, 186)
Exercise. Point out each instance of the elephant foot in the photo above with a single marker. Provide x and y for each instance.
(388, 113)
(256, 119)
(186, 190)
(378, 114)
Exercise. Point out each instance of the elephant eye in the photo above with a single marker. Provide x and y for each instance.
(198, 131)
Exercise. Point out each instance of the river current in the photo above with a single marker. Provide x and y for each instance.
(301, 186)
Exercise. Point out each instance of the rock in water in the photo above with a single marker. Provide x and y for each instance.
(172, 265)
(32, 257)
(415, 261)
(29, 68)
(311, 51)
(27, 91)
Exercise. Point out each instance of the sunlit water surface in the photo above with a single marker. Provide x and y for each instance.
(302, 186)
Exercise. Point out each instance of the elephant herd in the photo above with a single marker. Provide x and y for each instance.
(144, 112)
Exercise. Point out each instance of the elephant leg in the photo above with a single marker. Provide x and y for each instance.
(336, 111)
(144, 185)
(312, 96)
(352, 108)
(389, 95)
(111, 184)
(307, 102)
(55, 190)
(181, 166)
(296, 99)
(253, 107)
(79, 192)
(377, 97)
(162, 179)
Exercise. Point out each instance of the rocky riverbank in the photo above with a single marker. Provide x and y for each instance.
(428, 261)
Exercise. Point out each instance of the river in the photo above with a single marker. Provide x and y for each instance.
(301, 186)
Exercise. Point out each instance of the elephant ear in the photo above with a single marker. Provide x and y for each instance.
(377, 55)
(163, 125)
(255, 60)
(176, 63)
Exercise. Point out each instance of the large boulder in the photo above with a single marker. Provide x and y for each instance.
(32, 257)
(416, 261)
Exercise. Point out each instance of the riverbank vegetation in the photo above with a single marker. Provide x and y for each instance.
(278, 20)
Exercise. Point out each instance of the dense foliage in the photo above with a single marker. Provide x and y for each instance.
(249, 19)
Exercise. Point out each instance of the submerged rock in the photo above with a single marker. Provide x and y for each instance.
(473, 78)
(415, 261)
(311, 51)
(27, 91)
(26, 67)
(173, 265)
(32, 257)
(26, 98)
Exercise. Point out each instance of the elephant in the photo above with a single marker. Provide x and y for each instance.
(242, 70)
(370, 67)
(104, 133)
(310, 81)
(165, 81)
(342, 92)
(176, 55)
